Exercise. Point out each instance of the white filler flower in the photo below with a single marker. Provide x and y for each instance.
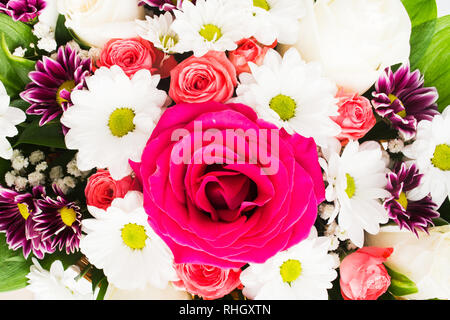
(121, 242)
(58, 284)
(303, 272)
(431, 153)
(9, 118)
(291, 94)
(357, 181)
(111, 122)
(212, 25)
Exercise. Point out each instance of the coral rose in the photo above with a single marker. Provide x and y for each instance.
(134, 54)
(249, 50)
(208, 282)
(356, 117)
(212, 207)
(363, 275)
(211, 77)
(102, 189)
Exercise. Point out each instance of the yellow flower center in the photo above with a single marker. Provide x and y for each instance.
(351, 187)
(290, 270)
(134, 236)
(68, 216)
(168, 41)
(441, 157)
(261, 4)
(210, 32)
(283, 105)
(393, 98)
(67, 85)
(403, 200)
(121, 122)
(23, 209)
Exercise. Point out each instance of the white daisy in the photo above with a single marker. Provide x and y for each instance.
(431, 153)
(212, 25)
(356, 184)
(121, 242)
(9, 118)
(58, 284)
(303, 272)
(291, 94)
(158, 30)
(111, 122)
(277, 20)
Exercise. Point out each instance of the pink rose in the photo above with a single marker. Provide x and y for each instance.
(249, 50)
(208, 282)
(135, 54)
(363, 275)
(210, 210)
(356, 117)
(102, 189)
(211, 77)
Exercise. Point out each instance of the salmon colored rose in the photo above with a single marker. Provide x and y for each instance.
(134, 54)
(363, 275)
(206, 281)
(249, 50)
(102, 189)
(356, 117)
(211, 77)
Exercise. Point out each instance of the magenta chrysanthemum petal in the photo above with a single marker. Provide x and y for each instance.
(401, 98)
(16, 220)
(59, 221)
(52, 83)
(22, 10)
(165, 5)
(409, 214)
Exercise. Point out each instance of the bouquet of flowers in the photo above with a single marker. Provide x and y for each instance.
(225, 149)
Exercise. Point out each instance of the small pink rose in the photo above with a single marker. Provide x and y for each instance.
(135, 54)
(356, 117)
(206, 281)
(102, 189)
(249, 50)
(211, 77)
(363, 275)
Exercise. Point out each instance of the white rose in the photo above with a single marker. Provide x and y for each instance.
(149, 293)
(355, 40)
(425, 260)
(97, 21)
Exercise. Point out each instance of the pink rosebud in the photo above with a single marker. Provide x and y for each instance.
(363, 275)
(211, 77)
(356, 117)
(208, 282)
(135, 54)
(102, 189)
(249, 50)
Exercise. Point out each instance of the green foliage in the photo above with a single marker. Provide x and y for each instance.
(401, 285)
(13, 267)
(14, 70)
(49, 135)
(420, 11)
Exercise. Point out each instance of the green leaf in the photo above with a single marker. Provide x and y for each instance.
(62, 34)
(13, 267)
(421, 37)
(401, 285)
(435, 63)
(49, 135)
(103, 285)
(66, 259)
(21, 104)
(420, 11)
(14, 70)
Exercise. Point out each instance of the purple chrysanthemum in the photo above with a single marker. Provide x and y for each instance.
(59, 221)
(401, 98)
(22, 10)
(53, 81)
(16, 220)
(408, 212)
(165, 5)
